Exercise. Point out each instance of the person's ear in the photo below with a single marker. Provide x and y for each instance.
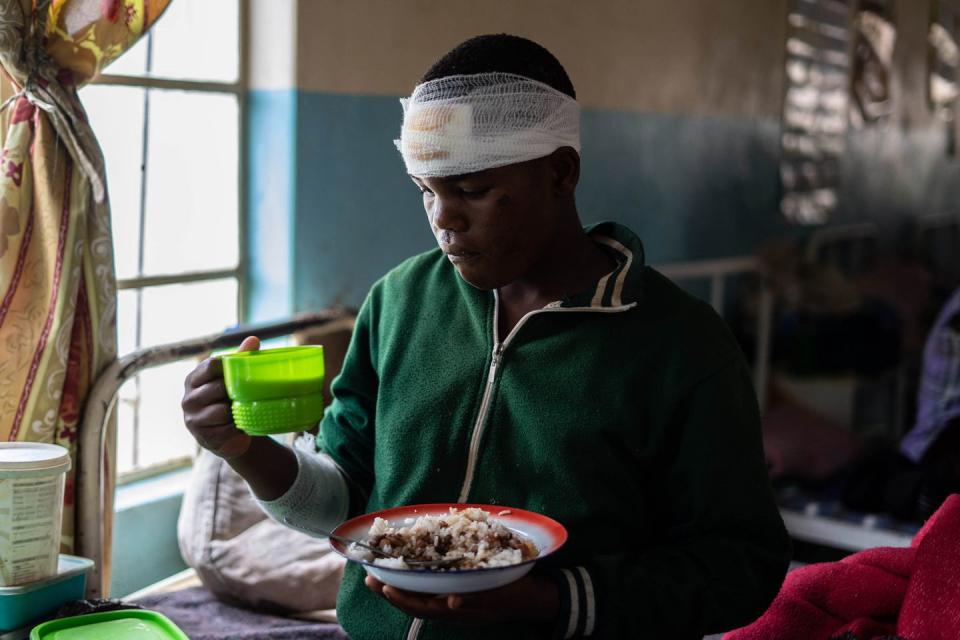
(565, 171)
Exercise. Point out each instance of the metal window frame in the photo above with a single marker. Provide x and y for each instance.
(239, 89)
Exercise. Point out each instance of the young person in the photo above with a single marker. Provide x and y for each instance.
(532, 363)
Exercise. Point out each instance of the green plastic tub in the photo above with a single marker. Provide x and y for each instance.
(275, 390)
(131, 624)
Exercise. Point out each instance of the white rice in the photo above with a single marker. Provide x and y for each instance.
(468, 538)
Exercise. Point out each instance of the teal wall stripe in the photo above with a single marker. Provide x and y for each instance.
(357, 212)
(145, 547)
(693, 187)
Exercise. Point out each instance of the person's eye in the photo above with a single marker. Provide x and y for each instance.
(425, 191)
(474, 192)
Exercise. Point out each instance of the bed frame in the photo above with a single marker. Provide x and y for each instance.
(807, 519)
(91, 459)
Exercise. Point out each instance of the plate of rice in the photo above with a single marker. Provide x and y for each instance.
(482, 546)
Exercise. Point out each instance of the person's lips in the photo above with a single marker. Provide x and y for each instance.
(460, 255)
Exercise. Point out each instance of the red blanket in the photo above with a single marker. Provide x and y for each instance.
(911, 593)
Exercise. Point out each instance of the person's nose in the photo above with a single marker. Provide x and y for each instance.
(446, 215)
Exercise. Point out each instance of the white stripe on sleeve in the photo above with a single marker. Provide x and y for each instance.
(591, 602)
(574, 604)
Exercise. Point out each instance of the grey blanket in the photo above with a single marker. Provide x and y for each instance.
(203, 617)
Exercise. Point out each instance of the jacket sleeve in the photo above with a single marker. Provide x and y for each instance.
(347, 432)
(721, 550)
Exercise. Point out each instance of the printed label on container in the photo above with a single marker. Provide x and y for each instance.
(30, 513)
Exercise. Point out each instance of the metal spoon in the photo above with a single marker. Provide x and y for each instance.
(425, 564)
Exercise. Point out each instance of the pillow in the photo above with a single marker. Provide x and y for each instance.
(245, 558)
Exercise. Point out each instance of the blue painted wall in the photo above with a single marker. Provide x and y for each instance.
(357, 212)
(691, 186)
(145, 547)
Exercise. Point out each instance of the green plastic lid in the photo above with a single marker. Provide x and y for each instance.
(131, 624)
(275, 390)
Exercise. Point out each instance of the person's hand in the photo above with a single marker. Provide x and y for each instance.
(529, 599)
(206, 408)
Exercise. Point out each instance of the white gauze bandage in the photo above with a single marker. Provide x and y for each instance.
(467, 123)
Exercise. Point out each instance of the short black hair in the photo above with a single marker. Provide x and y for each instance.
(505, 54)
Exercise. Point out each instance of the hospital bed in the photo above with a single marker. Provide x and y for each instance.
(181, 597)
(91, 463)
(807, 518)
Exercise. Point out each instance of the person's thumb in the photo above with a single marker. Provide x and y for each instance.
(250, 343)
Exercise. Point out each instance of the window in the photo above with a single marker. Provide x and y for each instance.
(168, 115)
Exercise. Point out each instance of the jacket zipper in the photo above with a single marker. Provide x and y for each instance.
(480, 424)
(485, 402)
(498, 349)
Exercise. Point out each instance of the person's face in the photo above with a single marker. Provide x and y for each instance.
(492, 225)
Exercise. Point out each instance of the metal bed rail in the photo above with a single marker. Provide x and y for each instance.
(803, 525)
(90, 491)
(718, 272)
(807, 518)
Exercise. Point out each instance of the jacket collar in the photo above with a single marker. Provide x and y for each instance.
(623, 286)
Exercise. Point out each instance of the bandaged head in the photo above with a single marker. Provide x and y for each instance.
(466, 123)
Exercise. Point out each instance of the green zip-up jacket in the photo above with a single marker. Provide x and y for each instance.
(626, 413)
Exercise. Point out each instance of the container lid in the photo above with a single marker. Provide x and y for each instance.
(130, 624)
(67, 567)
(33, 458)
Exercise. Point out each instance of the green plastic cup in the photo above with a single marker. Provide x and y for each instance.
(275, 390)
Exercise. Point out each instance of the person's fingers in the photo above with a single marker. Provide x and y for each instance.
(213, 436)
(518, 599)
(225, 441)
(212, 369)
(525, 599)
(418, 604)
(205, 395)
(206, 410)
(207, 371)
(373, 584)
(477, 601)
(214, 415)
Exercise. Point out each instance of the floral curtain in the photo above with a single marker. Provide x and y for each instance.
(57, 280)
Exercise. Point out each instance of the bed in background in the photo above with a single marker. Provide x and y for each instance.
(203, 616)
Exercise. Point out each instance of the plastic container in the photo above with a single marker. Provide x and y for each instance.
(29, 603)
(275, 390)
(130, 624)
(32, 478)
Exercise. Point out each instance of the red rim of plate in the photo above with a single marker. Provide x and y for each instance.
(556, 531)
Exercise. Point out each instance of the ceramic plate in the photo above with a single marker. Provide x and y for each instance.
(547, 534)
